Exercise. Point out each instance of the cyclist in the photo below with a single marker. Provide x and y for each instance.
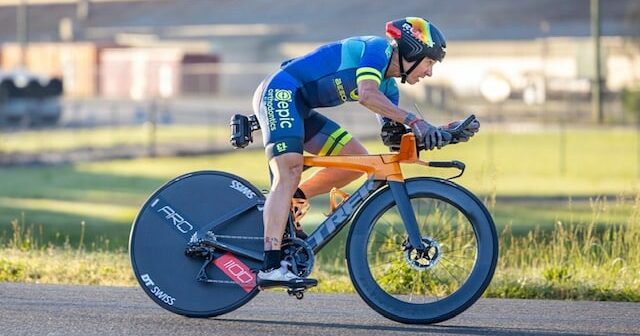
(358, 69)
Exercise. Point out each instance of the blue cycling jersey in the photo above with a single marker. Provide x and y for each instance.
(329, 75)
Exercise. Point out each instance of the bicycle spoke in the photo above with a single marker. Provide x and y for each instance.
(386, 221)
(451, 274)
(461, 257)
(455, 264)
(430, 280)
(462, 251)
(415, 283)
(424, 222)
(394, 237)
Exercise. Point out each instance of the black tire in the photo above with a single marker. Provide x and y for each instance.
(419, 291)
(158, 242)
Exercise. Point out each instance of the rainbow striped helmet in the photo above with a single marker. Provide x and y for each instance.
(417, 38)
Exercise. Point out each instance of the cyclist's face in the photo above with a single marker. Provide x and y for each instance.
(424, 69)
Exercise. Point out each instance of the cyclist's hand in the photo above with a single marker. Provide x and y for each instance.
(466, 133)
(429, 136)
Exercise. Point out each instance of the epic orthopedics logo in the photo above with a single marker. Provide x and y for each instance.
(283, 95)
(277, 102)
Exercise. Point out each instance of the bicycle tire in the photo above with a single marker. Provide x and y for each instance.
(384, 287)
(159, 239)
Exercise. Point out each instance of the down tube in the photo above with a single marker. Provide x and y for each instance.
(340, 217)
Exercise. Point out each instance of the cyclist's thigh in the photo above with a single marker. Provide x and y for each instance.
(324, 136)
(279, 109)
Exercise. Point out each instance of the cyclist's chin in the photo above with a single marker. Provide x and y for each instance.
(412, 81)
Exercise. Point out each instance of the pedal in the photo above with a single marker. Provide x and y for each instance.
(298, 292)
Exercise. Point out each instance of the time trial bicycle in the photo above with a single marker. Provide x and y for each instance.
(419, 250)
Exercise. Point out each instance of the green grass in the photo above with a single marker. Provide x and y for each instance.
(573, 260)
(107, 137)
(59, 207)
(106, 195)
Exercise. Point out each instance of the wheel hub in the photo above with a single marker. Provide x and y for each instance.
(422, 259)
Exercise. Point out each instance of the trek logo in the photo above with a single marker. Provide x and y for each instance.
(242, 189)
(343, 212)
(340, 89)
(155, 290)
(177, 220)
(277, 102)
(237, 271)
(281, 147)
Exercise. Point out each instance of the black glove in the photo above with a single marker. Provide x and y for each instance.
(466, 133)
(428, 135)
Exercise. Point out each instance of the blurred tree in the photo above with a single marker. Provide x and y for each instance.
(631, 94)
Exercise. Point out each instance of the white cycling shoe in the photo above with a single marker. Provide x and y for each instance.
(282, 277)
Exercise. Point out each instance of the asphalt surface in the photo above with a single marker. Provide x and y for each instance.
(88, 310)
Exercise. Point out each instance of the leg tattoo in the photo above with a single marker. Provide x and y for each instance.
(271, 243)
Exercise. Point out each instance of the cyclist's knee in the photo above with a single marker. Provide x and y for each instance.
(287, 169)
(354, 147)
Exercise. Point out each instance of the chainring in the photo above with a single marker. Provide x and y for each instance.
(299, 255)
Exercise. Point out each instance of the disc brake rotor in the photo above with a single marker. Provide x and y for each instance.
(425, 259)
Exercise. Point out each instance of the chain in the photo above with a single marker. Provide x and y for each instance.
(224, 282)
(237, 237)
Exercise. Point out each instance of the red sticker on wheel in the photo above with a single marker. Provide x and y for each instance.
(237, 271)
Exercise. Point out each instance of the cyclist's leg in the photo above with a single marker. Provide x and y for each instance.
(325, 137)
(277, 105)
(286, 170)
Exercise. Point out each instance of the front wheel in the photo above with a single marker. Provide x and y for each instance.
(423, 286)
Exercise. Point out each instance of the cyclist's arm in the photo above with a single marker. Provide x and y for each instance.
(373, 99)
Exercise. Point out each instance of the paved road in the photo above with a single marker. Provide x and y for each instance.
(86, 310)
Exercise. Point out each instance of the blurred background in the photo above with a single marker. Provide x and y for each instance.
(92, 64)
(102, 101)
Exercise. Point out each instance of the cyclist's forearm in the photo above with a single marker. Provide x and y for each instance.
(380, 104)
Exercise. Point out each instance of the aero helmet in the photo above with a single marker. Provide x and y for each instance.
(416, 38)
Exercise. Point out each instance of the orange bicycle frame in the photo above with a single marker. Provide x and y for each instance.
(385, 167)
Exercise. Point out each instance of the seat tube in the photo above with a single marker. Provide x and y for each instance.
(401, 196)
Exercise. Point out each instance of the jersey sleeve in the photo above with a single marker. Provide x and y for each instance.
(374, 60)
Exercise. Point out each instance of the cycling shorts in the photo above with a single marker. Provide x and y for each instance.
(289, 125)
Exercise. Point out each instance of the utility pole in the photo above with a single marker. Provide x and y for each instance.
(82, 15)
(22, 31)
(596, 87)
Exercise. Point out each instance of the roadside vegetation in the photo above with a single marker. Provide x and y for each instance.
(568, 219)
(66, 139)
